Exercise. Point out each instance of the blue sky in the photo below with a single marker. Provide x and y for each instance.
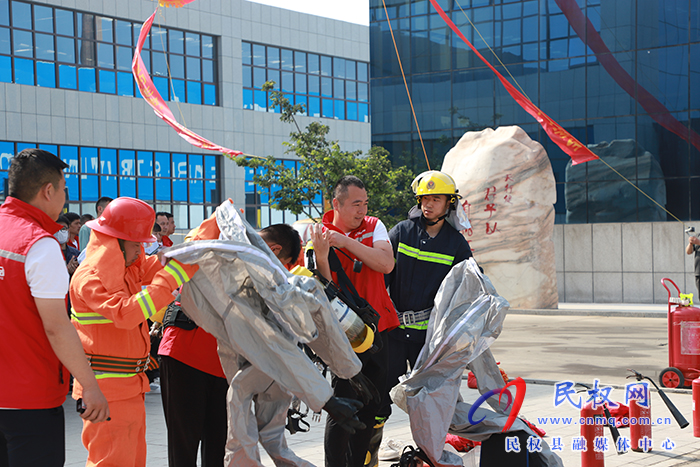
(353, 11)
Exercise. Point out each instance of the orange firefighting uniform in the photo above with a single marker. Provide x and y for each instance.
(109, 310)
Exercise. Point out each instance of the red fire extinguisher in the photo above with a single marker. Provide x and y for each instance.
(640, 421)
(592, 423)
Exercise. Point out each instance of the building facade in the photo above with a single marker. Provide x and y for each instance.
(626, 83)
(66, 86)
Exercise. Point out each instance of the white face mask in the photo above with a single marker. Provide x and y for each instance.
(61, 236)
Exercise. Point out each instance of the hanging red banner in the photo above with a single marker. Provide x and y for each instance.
(153, 97)
(578, 152)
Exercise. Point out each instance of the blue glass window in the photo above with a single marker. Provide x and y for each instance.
(24, 71)
(287, 60)
(300, 62)
(208, 71)
(108, 82)
(177, 41)
(326, 66)
(178, 91)
(363, 113)
(193, 68)
(5, 69)
(314, 67)
(179, 177)
(314, 107)
(350, 69)
(162, 173)
(46, 74)
(351, 90)
(259, 55)
(352, 111)
(177, 66)
(21, 15)
(258, 77)
(5, 47)
(326, 87)
(145, 172)
(65, 49)
(4, 13)
(338, 67)
(161, 85)
(273, 57)
(109, 171)
(86, 79)
(44, 47)
(127, 171)
(23, 43)
(327, 108)
(300, 83)
(209, 94)
(339, 109)
(339, 88)
(125, 84)
(207, 46)
(287, 82)
(194, 92)
(260, 100)
(196, 171)
(362, 92)
(192, 44)
(89, 183)
(67, 77)
(122, 32)
(301, 100)
(69, 155)
(159, 65)
(314, 85)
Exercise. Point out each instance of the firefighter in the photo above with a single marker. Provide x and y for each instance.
(113, 292)
(426, 247)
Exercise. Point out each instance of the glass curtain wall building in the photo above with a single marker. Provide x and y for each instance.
(633, 76)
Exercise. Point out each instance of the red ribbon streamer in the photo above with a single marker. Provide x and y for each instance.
(562, 138)
(656, 110)
(154, 99)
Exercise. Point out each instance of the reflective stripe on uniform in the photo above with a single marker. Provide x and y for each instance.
(88, 318)
(103, 375)
(365, 236)
(425, 255)
(148, 308)
(421, 326)
(177, 272)
(13, 256)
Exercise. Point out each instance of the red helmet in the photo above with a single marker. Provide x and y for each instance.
(126, 218)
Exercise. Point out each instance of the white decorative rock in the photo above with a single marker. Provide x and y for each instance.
(509, 192)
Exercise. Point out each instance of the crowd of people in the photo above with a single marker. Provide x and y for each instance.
(86, 292)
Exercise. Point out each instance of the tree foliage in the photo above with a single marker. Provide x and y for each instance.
(322, 164)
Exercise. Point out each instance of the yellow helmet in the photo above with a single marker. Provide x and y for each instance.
(434, 182)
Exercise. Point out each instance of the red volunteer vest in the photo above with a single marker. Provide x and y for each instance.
(368, 282)
(33, 377)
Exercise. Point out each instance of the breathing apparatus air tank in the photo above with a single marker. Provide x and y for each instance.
(360, 335)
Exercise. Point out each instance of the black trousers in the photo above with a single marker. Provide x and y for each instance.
(194, 403)
(404, 345)
(32, 438)
(341, 448)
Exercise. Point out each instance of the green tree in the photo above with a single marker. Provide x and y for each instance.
(322, 163)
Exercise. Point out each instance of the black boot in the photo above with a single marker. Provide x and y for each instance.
(372, 459)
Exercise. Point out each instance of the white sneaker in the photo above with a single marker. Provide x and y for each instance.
(155, 386)
(390, 450)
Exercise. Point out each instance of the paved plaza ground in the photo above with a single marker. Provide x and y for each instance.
(579, 343)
